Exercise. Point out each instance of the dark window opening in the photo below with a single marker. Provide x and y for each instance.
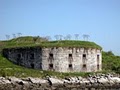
(70, 58)
(84, 65)
(51, 55)
(19, 55)
(98, 57)
(50, 66)
(70, 55)
(70, 66)
(98, 67)
(32, 65)
(84, 56)
(32, 56)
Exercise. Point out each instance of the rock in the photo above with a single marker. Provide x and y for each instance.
(55, 81)
(79, 78)
(38, 80)
(103, 80)
(85, 81)
(2, 78)
(6, 81)
(14, 79)
(114, 79)
(74, 80)
(17, 80)
(91, 81)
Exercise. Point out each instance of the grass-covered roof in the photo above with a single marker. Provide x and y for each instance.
(38, 41)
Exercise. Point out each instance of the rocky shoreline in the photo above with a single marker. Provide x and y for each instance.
(103, 82)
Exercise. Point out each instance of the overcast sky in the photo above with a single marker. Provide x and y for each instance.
(98, 18)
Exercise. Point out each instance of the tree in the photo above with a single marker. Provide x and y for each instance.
(48, 38)
(110, 53)
(76, 36)
(65, 38)
(14, 36)
(19, 34)
(56, 37)
(85, 37)
(7, 37)
(68, 37)
(60, 37)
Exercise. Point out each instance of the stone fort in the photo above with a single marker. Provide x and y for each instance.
(57, 58)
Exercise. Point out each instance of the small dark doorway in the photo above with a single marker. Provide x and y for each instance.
(32, 65)
(50, 66)
(84, 56)
(51, 56)
(70, 66)
(98, 67)
(70, 55)
(84, 67)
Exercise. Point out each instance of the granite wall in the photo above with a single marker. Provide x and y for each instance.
(61, 59)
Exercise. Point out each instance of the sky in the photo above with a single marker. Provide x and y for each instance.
(100, 19)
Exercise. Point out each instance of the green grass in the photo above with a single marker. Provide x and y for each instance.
(111, 62)
(71, 43)
(29, 41)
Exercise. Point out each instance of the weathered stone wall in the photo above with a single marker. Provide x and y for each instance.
(71, 59)
(28, 57)
(61, 59)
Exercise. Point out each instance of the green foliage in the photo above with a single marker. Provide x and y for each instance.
(111, 62)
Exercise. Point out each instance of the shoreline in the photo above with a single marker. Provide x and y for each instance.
(102, 82)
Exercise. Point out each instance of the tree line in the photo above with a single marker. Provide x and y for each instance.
(85, 37)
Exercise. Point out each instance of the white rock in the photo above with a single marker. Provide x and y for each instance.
(74, 80)
(103, 80)
(56, 81)
(84, 80)
(80, 78)
(14, 79)
(6, 81)
(115, 79)
(38, 80)
(66, 81)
